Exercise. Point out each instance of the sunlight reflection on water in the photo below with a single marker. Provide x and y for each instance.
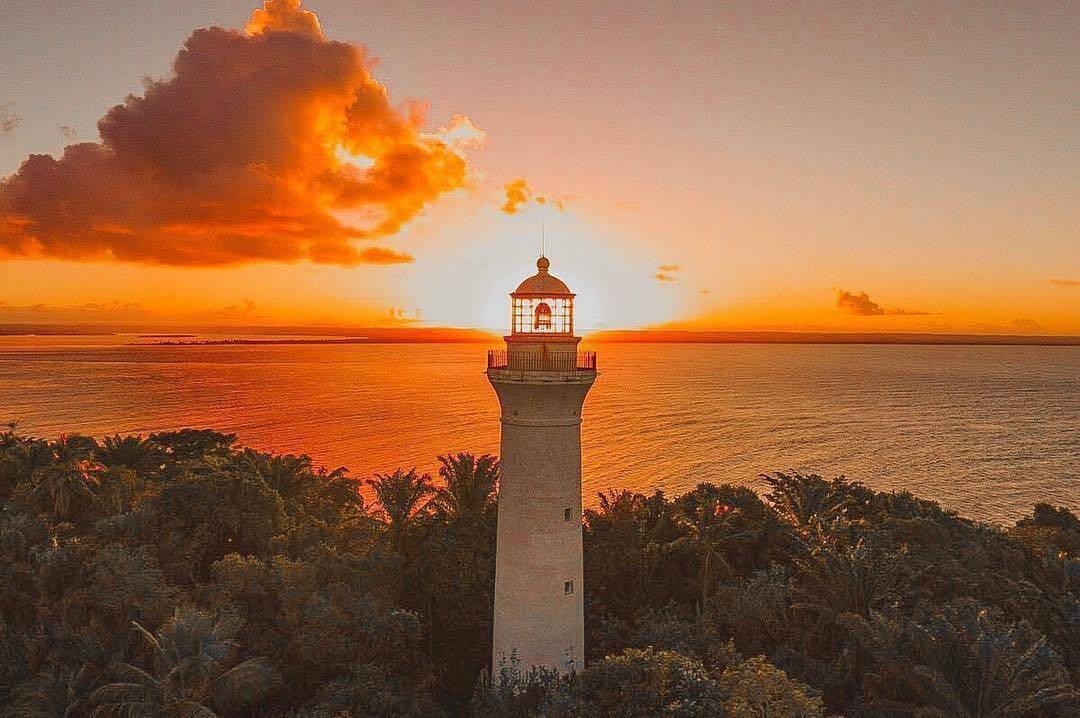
(984, 430)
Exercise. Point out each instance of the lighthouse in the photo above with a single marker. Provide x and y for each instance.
(541, 380)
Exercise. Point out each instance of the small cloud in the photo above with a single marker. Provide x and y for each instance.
(8, 121)
(556, 203)
(71, 136)
(860, 304)
(89, 312)
(666, 273)
(704, 291)
(519, 193)
(382, 255)
(1016, 326)
(404, 316)
(244, 311)
(1065, 282)
(246, 308)
(896, 312)
(1026, 326)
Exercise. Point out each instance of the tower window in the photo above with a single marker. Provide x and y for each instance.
(568, 587)
(542, 317)
(567, 513)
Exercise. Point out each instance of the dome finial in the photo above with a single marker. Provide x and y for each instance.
(543, 284)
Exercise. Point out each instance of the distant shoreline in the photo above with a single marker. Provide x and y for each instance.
(246, 342)
(220, 336)
(167, 336)
(776, 337)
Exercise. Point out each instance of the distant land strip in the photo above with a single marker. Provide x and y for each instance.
(245, 342)
(219, 335)
(656, 336)
(167, 336)
(207, 334)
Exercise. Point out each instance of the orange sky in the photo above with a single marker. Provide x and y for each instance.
(869, 166)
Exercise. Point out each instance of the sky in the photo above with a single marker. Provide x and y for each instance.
(849, 166)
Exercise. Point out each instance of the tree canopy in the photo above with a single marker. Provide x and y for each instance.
(180, 574)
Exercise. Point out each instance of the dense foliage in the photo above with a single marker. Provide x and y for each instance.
(180, 575)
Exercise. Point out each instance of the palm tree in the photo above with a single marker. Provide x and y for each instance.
(20, 458)
(340, 489)
(471, 484)
(403, 496)
(331, 495)
(804, 500)
(64, 689)
(195, 674)
(73, 448)
(963, 659)
(287, 474)
(836, 580)
(66, 490)
(974, 662)
(62, 477)
(25, 455)
(711, 525)
(133, 452)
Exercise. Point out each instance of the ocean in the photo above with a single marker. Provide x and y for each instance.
(985, 430)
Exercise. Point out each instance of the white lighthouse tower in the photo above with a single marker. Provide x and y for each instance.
(541, 380)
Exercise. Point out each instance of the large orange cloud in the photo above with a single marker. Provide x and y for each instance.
(242, 155)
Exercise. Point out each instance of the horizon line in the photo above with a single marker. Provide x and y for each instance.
(411, 333)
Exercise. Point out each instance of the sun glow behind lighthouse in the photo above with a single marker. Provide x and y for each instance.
(469, 284)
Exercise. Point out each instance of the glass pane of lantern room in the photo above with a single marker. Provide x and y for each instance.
(522, 316)
(561, 321)
(516, 312)
(528, 310)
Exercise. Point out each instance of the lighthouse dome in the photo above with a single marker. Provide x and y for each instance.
(543, 283)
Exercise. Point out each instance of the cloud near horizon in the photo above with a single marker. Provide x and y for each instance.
(1016, 326)
(151, 318)
(1065, 282)
(96, 313)
(861, 305)
(242, 155)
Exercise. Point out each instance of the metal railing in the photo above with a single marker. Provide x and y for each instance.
(525, 361)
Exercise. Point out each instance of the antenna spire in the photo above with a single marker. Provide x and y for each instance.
(541, 237)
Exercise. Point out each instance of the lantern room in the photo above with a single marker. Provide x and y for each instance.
(542, 304)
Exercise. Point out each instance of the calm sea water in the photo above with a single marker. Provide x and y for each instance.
(987, 431)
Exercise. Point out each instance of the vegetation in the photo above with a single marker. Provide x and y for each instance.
(180, 575)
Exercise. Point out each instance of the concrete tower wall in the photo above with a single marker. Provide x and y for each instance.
(539, 523)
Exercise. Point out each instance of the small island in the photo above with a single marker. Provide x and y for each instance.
(181, 574)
